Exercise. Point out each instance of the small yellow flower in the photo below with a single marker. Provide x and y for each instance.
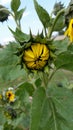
(69, 31)
(10, 96)
(0, 96)
(36, 56)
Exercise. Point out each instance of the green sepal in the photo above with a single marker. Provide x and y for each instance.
(52, 55)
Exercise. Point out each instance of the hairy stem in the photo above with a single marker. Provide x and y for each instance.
(55, 20)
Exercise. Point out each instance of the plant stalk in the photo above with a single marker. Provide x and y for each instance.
(55, 20)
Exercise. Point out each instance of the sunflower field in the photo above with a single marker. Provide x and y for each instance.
(36, 71)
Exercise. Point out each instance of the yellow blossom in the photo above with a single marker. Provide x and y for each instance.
(69, 31)
(36, 56)
(0, 96)
(10, 96)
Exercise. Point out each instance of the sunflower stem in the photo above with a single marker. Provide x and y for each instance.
(30, 79)
(52, 74)
(45, 79)
(55, 20)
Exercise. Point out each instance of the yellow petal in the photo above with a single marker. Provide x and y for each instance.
(66, 32)
(42, 63)
(45, 54)
(26, 58)
(34, 49)
(43, 58)
(28, 53)
(31, 65)
(39, 49)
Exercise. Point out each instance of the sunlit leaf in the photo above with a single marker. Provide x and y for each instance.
(15, 5)
(42, 14)
(60, 24)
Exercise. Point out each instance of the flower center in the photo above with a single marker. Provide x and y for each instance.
(9, 95)
(72, 25)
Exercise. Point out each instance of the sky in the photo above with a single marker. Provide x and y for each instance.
(30, 19)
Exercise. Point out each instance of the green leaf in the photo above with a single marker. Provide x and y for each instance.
(19, 14)
(23, 92)
(15, 5)
(42, 14)
(24, 87)
(9, 70)
(61, 45)
(70, 48)
(8, 126)
(38, 82)
(65, 61)
(2, 117)
(37, 104)
(44, 114)
(60, 24)
(20, 36)
(62, 99)
(17, 128)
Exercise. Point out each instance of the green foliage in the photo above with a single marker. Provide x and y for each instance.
(50, 111)
(42, 14)
(20, 36)
(15, 5)
(36, 112)
(8, 126)
(24, 87)
(61, 45)
(64, 60)
(8, 62)
(19, 14)
(60, 24)
(62, 99)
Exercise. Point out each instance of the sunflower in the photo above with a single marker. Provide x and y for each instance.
(36, 56)
(3, 14)
(69, 31)
(10, 96)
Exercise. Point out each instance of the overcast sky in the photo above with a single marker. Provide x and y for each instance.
(30, 19)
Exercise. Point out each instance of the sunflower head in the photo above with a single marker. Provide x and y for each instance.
(69, 13)
(3, 14)
(10, 113)
(69, 31)
(36, 54)
(10, 96)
